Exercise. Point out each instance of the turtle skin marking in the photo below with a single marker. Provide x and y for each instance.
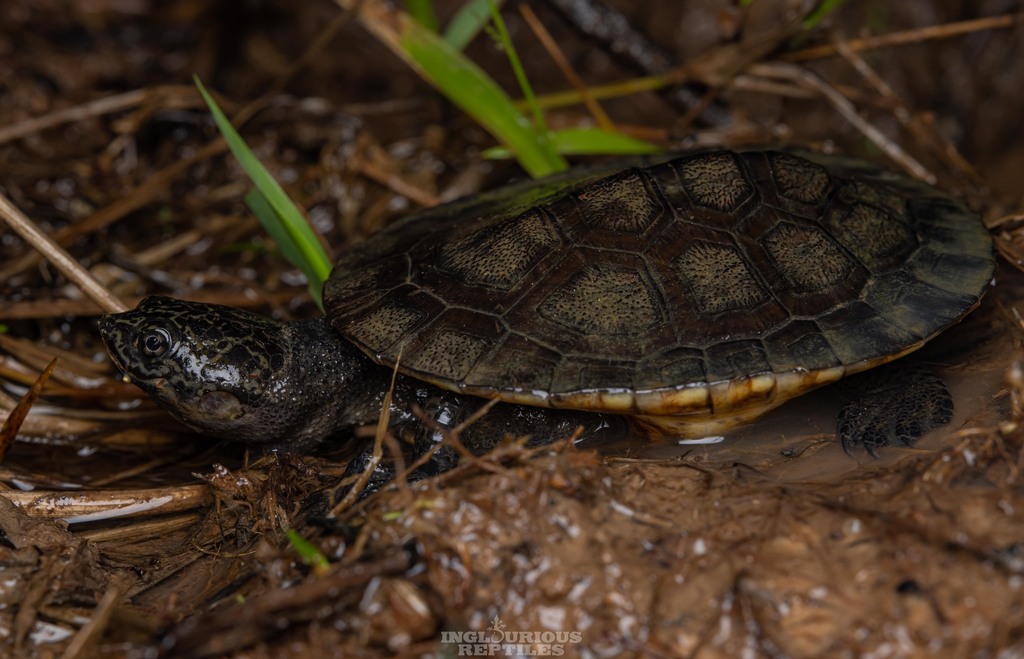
(167, 347)
(234, 374)
(694, 293)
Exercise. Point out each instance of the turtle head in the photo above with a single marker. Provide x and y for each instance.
(213, 367)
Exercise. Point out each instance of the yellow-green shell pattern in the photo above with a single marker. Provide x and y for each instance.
(701, 289)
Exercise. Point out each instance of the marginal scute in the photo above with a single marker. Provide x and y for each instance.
(709, 287)
(960, 274)
(597, 376)
(523, 370)
(675, 367)
(730, 360)
(900, 298)
(799, 345)
(519, 364)
(855, 326)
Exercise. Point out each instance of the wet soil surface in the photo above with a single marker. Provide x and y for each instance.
(121, 534)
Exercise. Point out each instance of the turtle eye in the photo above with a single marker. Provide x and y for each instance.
(154, 342)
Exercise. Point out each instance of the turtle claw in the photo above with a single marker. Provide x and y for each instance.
(899, 405)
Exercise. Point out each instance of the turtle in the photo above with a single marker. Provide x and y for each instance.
(679, 296)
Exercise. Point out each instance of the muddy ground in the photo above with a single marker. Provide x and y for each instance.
(121, 534)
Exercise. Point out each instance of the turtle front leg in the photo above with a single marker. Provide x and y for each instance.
(895, 403)
(441, 412)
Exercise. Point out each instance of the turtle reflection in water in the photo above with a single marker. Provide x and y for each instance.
(686, 297)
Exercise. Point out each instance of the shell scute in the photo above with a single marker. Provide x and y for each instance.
(718, 283)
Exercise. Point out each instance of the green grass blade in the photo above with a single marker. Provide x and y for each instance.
(822, 11)
(264, 212)
(473, 91)
(309, 553)
(294, 229)
(588, 141)
(505, 41)
(468, 22)
(423, 11)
